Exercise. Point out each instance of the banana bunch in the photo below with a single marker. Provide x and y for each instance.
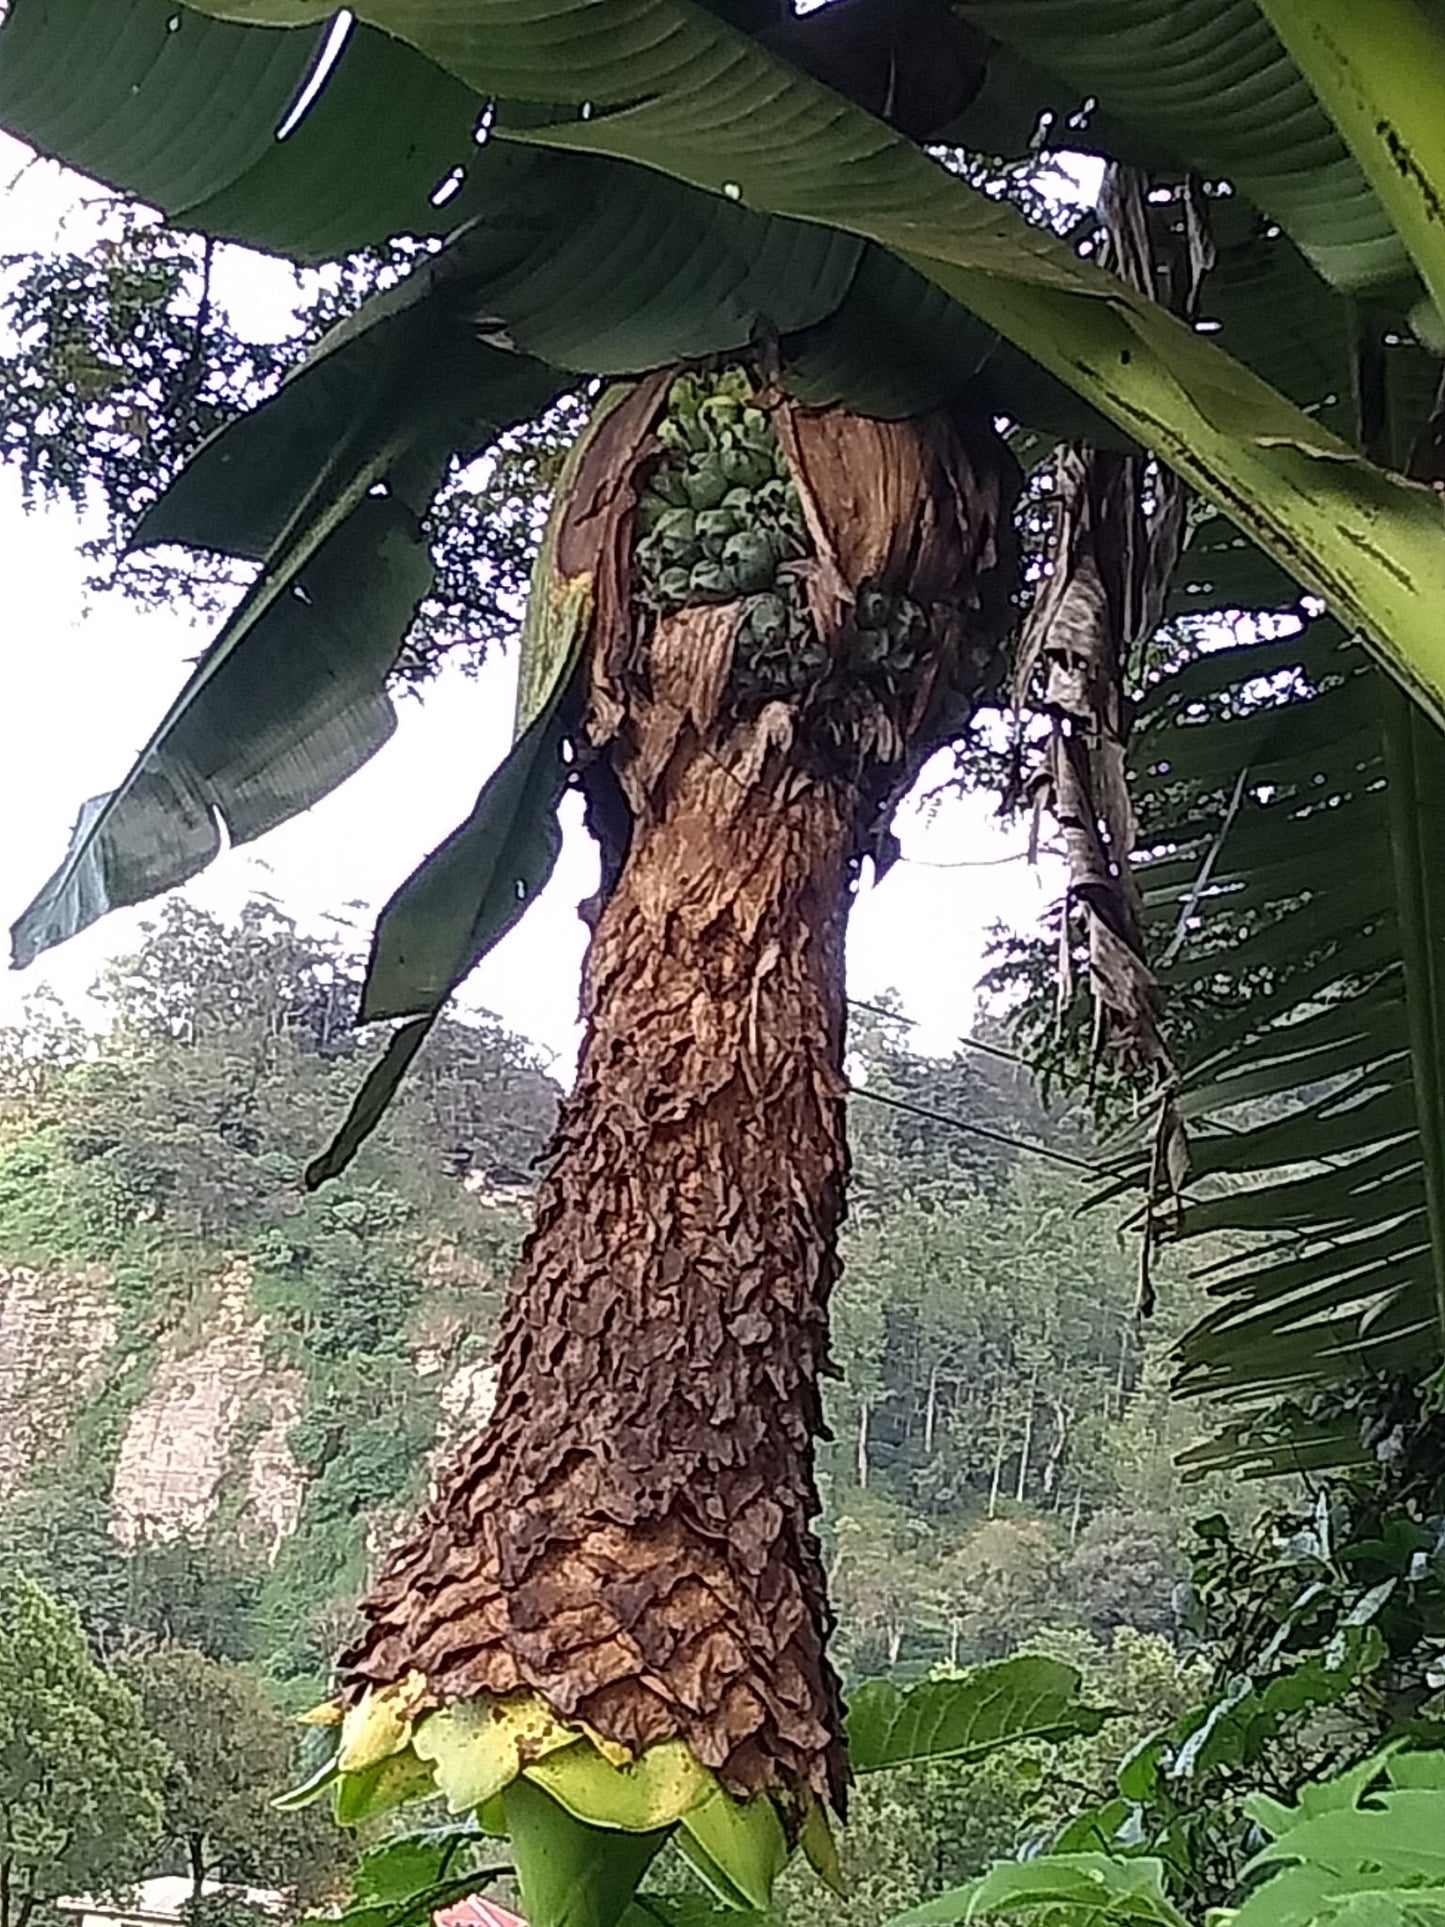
(581, 1811)
(890, 633)
(720, 514)
(778, 653)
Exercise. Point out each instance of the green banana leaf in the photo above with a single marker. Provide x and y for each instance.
(462, 899)
(290, 698)
(1207, 85)
(664, 84)
(182, 112)
(1294, 860)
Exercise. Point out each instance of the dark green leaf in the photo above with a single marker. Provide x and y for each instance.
(1087, 1889)
(371, 1101)
(1029, 1698)
(474, 887)
(289, 699)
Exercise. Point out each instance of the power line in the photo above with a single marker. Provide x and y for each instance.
(959, 1123)
(977, 1130)
(970, 1043)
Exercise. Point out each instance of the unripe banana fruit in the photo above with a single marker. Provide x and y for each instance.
(721, 461)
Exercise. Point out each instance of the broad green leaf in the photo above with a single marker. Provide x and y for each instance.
(417, 1906)
(182, 112)
(1415, 789)
(1417, 1769)
(1097, 1829)
(1298, 1897)
(1089, 1889)
(1028, 1698)
(672, 88)
(1205, 84)
(389, 1875)
(450, 912)
(1340, 1793)
(242, 487)
(572, 1875)
(1404, 1833)
(288, 700)
(1349, 1851)
(472, 889)
(1379, 73)
(1312, 939)
(595, 266)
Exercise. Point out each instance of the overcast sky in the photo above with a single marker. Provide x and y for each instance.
(86, 679)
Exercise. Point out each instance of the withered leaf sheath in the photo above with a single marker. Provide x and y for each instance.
(630, 1535)
(1118, 530)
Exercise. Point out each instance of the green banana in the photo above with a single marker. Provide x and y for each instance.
(752, 557)
(733, 513)
(649, 512)
(667, 484)
(718, 413)
(711, 582)
(685, 396)
(715, 525)
(768, 621)
(676, 532)
(745, 467)
(704, 481)
(673, 585)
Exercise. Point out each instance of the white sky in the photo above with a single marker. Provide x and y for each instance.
(86, 679)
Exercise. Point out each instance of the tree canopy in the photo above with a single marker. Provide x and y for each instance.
(81, 1775)
(231, 1755)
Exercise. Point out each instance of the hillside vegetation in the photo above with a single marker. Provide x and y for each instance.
(220, 1391)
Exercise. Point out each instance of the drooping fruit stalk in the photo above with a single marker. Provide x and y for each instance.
(790, 610)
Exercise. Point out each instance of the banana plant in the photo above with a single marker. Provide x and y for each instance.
(782, 569)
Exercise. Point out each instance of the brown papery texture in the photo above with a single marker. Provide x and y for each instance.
(631, 1534)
